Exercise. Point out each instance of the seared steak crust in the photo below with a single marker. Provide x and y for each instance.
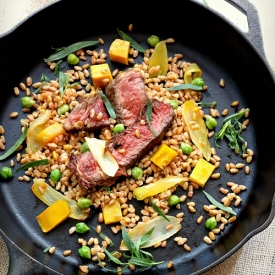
(90, 114)
(127, 96)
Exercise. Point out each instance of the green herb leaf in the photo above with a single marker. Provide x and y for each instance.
(185, 87)
(16, 144)
(133, 43)
(219, 205)
(149, 115)
(57, 67)
(205, 104)
(63, 82)
(112, 257)
(45, 78)
(46, 250)
(232, 129)
(33, 164)
(108, 105)
(156, 208)
(70, 49)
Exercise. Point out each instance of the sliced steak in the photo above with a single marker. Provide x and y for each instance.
(127, 147)
(90, 114)
(127, 96)
(88, 172)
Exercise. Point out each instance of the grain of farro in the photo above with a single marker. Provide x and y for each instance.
(84, 269)
(207, 240)
(52, 249)
(200, 219)
(215, 176)
(14, 114)
(67, 252)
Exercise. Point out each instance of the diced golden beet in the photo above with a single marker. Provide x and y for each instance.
(163, 156)
(112, 213)
(52, 216)
(101, 75)
(49, 133)
(201, 172)
(119, 51)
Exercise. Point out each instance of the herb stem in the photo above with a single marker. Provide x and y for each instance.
(16, 144)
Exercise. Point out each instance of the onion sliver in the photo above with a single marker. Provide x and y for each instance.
(49, 195)
(163, 230)
(105, 160)
(156, 187)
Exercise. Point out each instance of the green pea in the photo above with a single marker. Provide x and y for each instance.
(27, 102)
(63, 109)
(84, 252)
(72, 59)
(174, 103)
(84, 203)
(198, 81)
(137, 173)
(210, 122)
(84, 147)
(211, 223)
(81, 228)
(153, 40)
(186, 148)
(6, 172)
(173, 200)
(118, 128)
(55, 175)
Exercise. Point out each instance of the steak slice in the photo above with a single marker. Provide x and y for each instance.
(90, 114)
(89, 173)
(127, 96)
(134, 147)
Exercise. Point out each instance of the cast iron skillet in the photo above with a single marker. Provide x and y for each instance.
(204, 37)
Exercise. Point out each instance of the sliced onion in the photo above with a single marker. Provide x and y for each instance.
(35, 127)
(49, 195)
(105, 160)
(160, 232)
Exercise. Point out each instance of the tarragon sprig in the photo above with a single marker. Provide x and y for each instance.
(138, 257)
(232, 129)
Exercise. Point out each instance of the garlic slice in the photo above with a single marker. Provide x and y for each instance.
(105, 160)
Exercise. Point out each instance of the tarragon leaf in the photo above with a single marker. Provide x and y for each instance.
(70, 49)
(219, 205)
(133, 43)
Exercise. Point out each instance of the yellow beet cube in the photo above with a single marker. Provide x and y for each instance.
(163, 156)
(49, 133)
(52, 216)
(119, 51)
(111, 213)
(101, 75)
(201, 172)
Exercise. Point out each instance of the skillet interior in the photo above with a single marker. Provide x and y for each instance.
(204, 38)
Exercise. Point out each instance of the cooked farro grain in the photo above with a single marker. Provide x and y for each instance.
(14, 114)
(52, 249)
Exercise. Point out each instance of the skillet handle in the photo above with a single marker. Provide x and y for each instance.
(254, 34)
